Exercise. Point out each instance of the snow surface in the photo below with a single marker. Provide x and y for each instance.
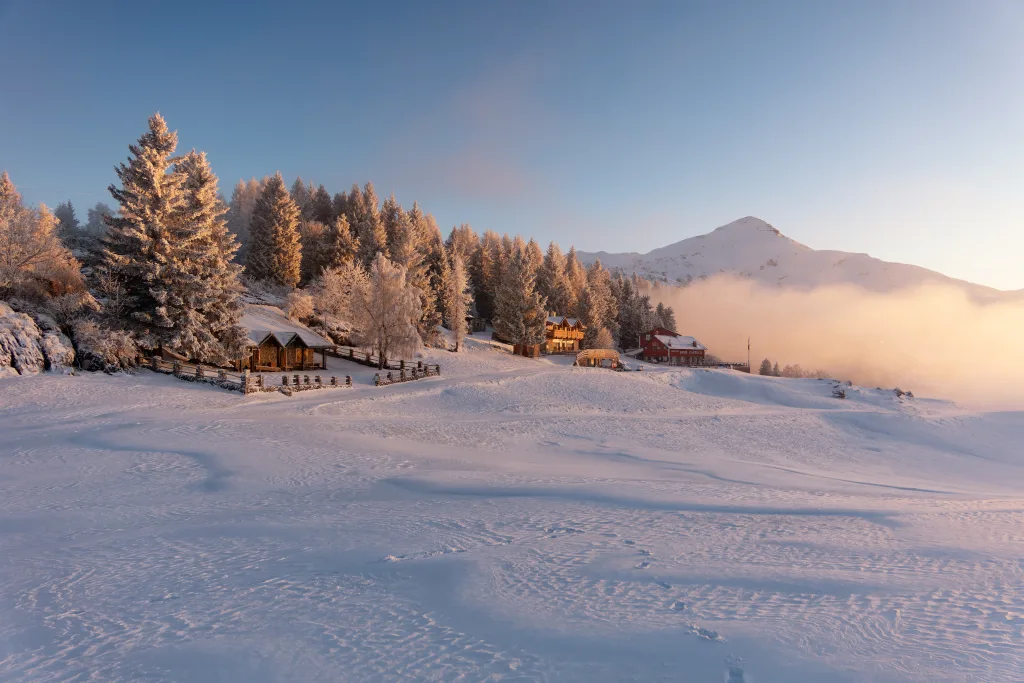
(751, 248)
(513, 519)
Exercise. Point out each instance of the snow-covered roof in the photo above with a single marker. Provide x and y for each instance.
(559, 319)
(680, 342)
(262, 321)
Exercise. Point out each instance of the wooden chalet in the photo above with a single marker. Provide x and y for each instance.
(564, 334)
(277, 344)
(660, 345)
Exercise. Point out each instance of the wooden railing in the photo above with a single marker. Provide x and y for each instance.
(372, 360)
(243, 381)
(420, 372)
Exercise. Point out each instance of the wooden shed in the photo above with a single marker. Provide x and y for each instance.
(279, 344)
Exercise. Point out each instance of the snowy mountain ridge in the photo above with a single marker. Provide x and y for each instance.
(752, 248)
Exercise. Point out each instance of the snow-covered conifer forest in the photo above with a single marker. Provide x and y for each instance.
(513, 518)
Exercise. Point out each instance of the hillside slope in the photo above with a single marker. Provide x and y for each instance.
(751, 248)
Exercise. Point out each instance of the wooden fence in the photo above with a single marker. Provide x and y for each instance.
(419, 372)
(243, 381)
(368, 358)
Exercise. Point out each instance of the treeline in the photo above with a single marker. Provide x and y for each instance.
(769, 369)
(168, 266)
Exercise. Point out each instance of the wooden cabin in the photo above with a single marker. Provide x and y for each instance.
(563, 334)
(284, 351)
(660, 345)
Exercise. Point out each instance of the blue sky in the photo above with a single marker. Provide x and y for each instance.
(892, 128)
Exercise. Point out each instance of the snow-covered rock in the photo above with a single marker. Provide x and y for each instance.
(21, 349)
(29, 345)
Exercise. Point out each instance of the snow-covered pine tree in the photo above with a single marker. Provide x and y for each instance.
(766, 368)
(67, 222)
(275, 252)
(316, 250)
(137, 248)
(599, 282)
(385, 310)
(489, 273)
(204, 302)
(534, 256)
(365, 219)
(520, 313)
(96, 219)
(458, 298)
(552, 283)
(322, 206)
(665, 317)
(302, 195)
(427, 249)
(575, 277)
(239, 216)
(775, 370)
(340, 204)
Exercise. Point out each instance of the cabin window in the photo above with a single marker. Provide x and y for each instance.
(647, 337)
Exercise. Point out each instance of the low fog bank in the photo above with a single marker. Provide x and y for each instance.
(933, 340)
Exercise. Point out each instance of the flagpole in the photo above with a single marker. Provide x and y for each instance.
(750, 370)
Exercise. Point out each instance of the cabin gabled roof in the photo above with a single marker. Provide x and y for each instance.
(559, 319)
(262, 322)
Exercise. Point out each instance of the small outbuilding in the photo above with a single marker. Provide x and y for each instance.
(279, 344)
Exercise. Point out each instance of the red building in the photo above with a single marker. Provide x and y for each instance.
(665, 346)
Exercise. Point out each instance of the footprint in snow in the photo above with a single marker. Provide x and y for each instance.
(629, 542)
(644, 552)
(643, 565)
(678, 605)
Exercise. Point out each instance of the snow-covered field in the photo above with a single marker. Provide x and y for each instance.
(511, 520)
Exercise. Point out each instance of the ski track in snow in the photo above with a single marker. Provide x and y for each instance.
(511, 520)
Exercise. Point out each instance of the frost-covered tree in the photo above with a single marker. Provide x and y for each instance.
(302, 195)
(551, 281)
(488, 274)
(67, 222)
(96, 219)
(766, 368)
(139, 245)
(299, 305)
(332, 291)
(458, 297)
(422, 259)
(603, 340)
(575, 278)
(775, 370)
(204, 303)
(322, 206)
(665, 317)
(364, 216)
(275, 251)
(385, 310)
(29, 244)
(239, 216)
(520, 313)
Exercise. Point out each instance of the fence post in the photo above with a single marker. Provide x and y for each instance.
(348, 380)
(437, 369)
(222, 376)
(305, 380)
(419, 365)
(154, 363)
(376, 379)
(318, 382)
(295, 380)
(391, 377)
(284, 380)
(351, 354)
(176, 367)
(245, 381)
(199, 371)
(401, 365)
(259, 381)
(334, 381)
